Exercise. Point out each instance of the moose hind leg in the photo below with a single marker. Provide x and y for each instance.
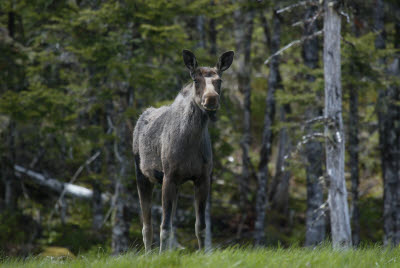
(145, 190)
(201, 195)
(169, 192)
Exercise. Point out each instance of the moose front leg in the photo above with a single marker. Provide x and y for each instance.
(169, 192)
(201, 195)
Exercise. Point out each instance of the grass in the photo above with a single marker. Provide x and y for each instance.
(232, 257)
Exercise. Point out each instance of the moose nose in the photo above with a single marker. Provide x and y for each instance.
(210, 101)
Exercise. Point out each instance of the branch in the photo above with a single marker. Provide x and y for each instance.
(71, 190)
(320, 119)
(310, 20)
(295, 42)
(73, 179)
(289, 8)
(305, 139)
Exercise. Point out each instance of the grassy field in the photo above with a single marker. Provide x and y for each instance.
(231, 257)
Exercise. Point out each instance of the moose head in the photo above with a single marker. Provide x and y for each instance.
(207, 80)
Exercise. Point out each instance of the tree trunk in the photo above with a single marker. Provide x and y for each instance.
(123, 197)
(10, 185)
(201, 43)
(353, 153)
(213, 34)
(243, 34)
(315, 220)
(389, 136)
(122, 218)
(280, 195)
(63, 209)
(208, 238)
(266, 143)
(334, 144)
(97, 208)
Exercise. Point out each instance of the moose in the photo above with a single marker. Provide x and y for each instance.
(171, 145)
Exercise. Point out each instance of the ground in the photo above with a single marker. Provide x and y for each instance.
(325, 256)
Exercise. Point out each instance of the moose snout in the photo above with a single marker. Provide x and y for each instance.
(210, 101)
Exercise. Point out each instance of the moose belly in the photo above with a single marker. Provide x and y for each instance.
(187, 168)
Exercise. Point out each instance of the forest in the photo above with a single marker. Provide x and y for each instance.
(306, 145)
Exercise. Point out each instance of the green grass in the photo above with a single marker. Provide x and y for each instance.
(231, 257)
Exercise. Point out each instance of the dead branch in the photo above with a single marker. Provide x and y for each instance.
(320, 119)
(302, 3)
(73, 179)
(305, 139)
(310, 20)
(295, 42)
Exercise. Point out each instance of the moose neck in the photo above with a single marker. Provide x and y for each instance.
(193, 120)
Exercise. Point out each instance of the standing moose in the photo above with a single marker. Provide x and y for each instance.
(171, 145)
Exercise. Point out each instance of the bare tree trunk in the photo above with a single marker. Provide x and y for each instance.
(10, 194)
(97, 207)
(353, 153)
(280, 195)
(202, 44)
(63, 208)
(243, 35)
(266, 143)
(208, 238)
(315, 220)
(201, 31)
(334, 144)
(122, 218)
(389, 136)
(212, 34)
(123, 199)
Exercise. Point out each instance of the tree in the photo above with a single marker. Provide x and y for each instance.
(334, 144)
(243, 35)
(389, 134)
(274, 80)
(315, 219)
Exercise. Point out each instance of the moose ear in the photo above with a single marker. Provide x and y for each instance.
(190, 61)
(225, 61)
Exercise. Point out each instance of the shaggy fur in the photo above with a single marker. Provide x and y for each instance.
(171, 145)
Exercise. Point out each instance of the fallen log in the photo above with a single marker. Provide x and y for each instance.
(70, 189)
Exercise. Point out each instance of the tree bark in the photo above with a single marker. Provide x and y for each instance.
(353, 153)
(123, 197)
(97, 208)
(334, 144)
(212, 34)
(208, 238)
(389, 135)
(201, 43)
(10, 191)
(266, 142)
(315, 220)
(243, 35)
(280, 195)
